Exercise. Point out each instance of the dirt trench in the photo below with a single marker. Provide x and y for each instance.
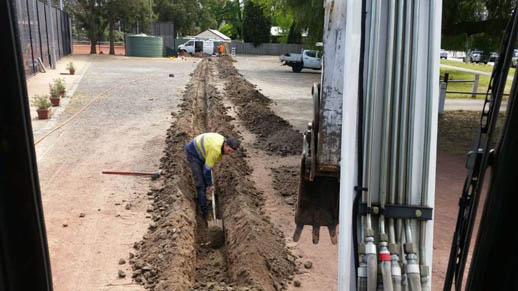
(179, 252)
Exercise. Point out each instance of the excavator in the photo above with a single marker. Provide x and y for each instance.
(368, 164)
(369, 153)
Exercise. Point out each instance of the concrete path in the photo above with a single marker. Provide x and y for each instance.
(467, 104)
(470, 71)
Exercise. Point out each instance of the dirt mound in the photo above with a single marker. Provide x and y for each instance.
(275, 135)
(286, 182)
(180, 252)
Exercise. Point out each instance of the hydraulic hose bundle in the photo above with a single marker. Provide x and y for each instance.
(398, 112)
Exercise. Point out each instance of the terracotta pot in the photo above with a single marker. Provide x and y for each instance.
(72, 72)
(55, 101)
(43, 113)
(62, 92)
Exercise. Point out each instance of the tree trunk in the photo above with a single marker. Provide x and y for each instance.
(112, 45)
(93, 44)
(92, 28)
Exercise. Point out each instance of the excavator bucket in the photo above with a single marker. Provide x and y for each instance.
(317, 205)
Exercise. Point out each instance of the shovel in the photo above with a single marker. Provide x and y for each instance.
(214, 222)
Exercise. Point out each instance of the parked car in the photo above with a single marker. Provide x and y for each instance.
(477, 56)
(493, 57)
(197, 46)
(444, 54)
(514, 59)
(307, 59)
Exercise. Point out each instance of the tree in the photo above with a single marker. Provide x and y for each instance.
(88, 13)
(256, 24)
(96, 15)
(310, 18)
(474, 23)
(294, 35)
(128, 12)
(185, 14)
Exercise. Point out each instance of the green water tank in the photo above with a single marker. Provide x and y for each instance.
(142, 45)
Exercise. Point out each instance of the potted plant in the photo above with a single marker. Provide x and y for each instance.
(41, 102)
(55, 96)
(71, 69)
(60, 85)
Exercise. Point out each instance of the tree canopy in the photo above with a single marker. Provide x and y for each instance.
(474, 23)
(465, 23)
(256, 23)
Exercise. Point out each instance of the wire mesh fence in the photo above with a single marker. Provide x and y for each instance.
(44, 34)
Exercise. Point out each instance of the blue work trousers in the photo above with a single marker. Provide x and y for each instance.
(196, 165)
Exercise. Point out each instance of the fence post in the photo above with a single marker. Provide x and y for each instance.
(475, 86)
(442, 93)
(442, 97)
(52, 37)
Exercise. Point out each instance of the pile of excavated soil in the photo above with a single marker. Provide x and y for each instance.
(274, 134)
(286, 182)
(180, 252)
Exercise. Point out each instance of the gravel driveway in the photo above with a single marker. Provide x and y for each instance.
(92, 219)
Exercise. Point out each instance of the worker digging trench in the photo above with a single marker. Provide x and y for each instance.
(180, 251)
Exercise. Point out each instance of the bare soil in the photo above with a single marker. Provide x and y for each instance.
(180, 252)
(276, 135)
(459, 129)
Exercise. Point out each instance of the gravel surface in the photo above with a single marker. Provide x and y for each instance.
(123, 130)
(290, 92)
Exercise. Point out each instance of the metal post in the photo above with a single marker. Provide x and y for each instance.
(442, 93)
(475, 86)
(52, 37)
(442, 97)
(349, 134)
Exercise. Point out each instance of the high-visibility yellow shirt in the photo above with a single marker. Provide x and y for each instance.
(210, 146)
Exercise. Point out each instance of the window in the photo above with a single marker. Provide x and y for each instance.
(311, 54)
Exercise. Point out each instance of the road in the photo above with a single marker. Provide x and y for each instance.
(92, 220)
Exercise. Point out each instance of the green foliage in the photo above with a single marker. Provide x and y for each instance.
(185, 14)
(294, 35)
(310, 17)
(256, 24)
(54, 91)
(70, 66)
(229, 30)
(93, 17)
(41, 101)
(59, 84)
(474, 23)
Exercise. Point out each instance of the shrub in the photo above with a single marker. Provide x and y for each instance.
(54, 91)
(70, 66)
(41, 101)
(59, 84)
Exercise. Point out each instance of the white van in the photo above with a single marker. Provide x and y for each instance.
(197, 46)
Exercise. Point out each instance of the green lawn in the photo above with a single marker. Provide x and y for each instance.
(467, 87)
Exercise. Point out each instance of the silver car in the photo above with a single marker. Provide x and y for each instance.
(444, 54)
(514, 59)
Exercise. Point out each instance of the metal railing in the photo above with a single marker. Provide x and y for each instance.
(444, 89)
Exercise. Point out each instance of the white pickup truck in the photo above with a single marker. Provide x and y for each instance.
(308, 59)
